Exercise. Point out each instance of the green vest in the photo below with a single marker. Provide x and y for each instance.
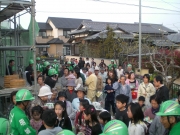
(70, 68)
(56, 67)
(175, 129)
(19, 123)
(112, 65)
(39, 67)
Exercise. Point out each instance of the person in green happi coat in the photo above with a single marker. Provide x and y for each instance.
(39, 66)
(69, 66)
(56, 66)
(112, 65)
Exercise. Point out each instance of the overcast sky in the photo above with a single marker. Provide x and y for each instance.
(110, 11)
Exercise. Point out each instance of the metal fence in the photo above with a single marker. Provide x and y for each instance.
(175, 88)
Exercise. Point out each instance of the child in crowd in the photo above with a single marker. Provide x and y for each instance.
(70, 93)
(63, 120)
(92, 124)
(80, 121)
(36, 121)
(54, 95)
(70, 111)
(121, 112)
(136, 125)
(141, 101)
(49, 118)
(13, 103)
(104, 117)
(109, 100)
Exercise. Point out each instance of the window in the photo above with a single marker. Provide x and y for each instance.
(65, 33)
(43, 34)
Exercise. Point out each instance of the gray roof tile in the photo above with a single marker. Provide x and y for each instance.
(127, 27)
(44, 26)
(66, 23)
(55, 41)
(174, 38)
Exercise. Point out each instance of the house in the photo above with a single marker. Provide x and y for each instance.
(91, 32)
(53, 35)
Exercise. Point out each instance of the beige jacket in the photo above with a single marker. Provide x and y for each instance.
(91, 82)
(99, 86)
(149, 91)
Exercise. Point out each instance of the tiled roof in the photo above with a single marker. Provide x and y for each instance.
(66, 23)
(44, 26)
(103, 34)
(55, 41)
(174, 38)
(128, 27)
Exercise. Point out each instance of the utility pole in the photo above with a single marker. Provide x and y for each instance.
(140, 35)
(34, 45)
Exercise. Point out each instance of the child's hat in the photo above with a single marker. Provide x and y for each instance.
(71, 83)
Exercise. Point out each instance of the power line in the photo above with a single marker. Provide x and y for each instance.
(136, 5)
(169, 4)
(103, 13)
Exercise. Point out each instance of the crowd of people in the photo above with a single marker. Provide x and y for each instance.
(93, 99)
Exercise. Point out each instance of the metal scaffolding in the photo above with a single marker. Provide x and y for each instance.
(9, 10)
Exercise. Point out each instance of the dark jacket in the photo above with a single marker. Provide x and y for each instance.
(10, 70)
(110, 96)
(50, 82)
(64, 125)
(163, 93)
(81, 64)
(71, 96)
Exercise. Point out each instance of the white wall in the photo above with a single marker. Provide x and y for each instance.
(49, 32)
(60, 32)
(55, 30)
(97, 60)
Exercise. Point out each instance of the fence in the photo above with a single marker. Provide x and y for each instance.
(175, 88)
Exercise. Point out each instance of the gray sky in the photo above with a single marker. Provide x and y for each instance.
(110, 11)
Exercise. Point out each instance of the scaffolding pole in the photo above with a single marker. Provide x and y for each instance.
(34, 45)
(140, 35)
(15, 41)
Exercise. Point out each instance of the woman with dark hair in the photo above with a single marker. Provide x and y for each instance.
(133, 83)
(93, 65)
(62, 117)
(136, 125)
(70, 111)
(80, 121)
(12, 104)
(78, 80)
(92, 124)
(146, 89)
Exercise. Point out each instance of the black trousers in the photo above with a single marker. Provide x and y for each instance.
(108, 104)
(29, 78)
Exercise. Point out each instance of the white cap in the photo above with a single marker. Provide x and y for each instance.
(91, 70)
(97, 106)
(96, 68)
(44, 91)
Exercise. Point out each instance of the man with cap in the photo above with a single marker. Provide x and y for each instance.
(19, 122)
(5, 127)
(69, 66)
(51, 79)
(43, 97)
(112, 65)
(170, 117)
(99, 86)
(56, 66)
(115, 127)
(91, 82)
(129, 68)
(29, 72)
(46, 68)
(39, 67)
(80, 95)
